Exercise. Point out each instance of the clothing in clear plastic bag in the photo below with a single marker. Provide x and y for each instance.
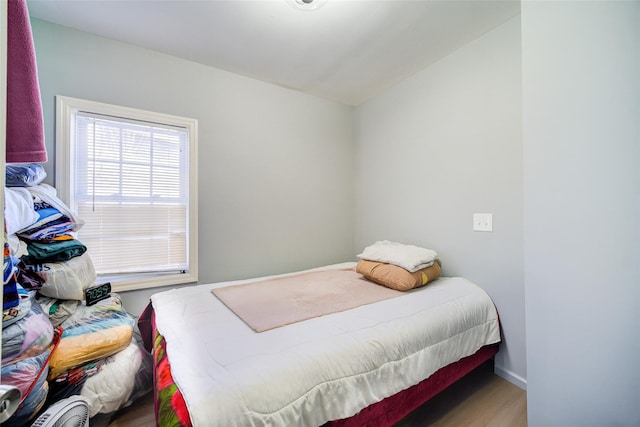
(92, 333)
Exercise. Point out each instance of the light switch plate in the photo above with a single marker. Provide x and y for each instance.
(482, 222)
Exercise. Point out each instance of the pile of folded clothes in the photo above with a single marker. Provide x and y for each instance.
(53, 344)
(399, 266)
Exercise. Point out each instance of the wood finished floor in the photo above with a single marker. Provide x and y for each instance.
(481, 399)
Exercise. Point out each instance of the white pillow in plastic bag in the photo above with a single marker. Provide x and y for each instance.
(68, 279)
(110, 389)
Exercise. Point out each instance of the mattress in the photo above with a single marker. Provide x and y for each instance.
(321, 369)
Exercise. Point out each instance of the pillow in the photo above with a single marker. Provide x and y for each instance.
(409, 257)
(66, 280)
(395, 277)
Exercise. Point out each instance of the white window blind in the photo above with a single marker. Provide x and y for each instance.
(132, 193)
(130, 178)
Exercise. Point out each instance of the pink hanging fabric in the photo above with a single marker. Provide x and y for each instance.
(25, 124)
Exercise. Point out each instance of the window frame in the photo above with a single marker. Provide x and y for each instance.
(64, 179)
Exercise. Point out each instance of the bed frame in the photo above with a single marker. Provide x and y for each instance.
(393, 409)
(385, 413)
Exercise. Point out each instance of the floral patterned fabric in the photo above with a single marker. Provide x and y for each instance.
(171, 410)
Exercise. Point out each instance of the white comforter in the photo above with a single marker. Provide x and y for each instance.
(321, 369)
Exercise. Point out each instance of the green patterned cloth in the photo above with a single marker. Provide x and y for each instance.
(40, 252)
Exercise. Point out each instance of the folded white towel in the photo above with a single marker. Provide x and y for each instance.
(411, 258)
(19, 212)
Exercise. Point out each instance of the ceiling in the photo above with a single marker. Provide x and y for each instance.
(344, 50)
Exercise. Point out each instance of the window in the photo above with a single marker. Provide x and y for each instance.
(131, 177)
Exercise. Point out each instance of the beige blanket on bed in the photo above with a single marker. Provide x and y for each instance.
(272, 303)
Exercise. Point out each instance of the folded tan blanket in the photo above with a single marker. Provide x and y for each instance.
(396, 277)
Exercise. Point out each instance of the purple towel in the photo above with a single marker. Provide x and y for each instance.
(25, 124)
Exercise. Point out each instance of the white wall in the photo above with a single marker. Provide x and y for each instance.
(431, 151)
(275, 166)
(443, 145)
(581, 120)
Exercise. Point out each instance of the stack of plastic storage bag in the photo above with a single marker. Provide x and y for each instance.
(98, 358)
(95, 354)
(26, 348)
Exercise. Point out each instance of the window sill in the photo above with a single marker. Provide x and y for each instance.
(132, 284)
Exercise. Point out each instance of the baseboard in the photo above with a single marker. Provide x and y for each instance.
(511, 377)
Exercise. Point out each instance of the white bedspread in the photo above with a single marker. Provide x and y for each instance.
(320, 369)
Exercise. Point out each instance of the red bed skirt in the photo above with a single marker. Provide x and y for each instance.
(171, 409)
(394, 408)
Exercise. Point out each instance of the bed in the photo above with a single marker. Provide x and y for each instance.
(367, 365)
